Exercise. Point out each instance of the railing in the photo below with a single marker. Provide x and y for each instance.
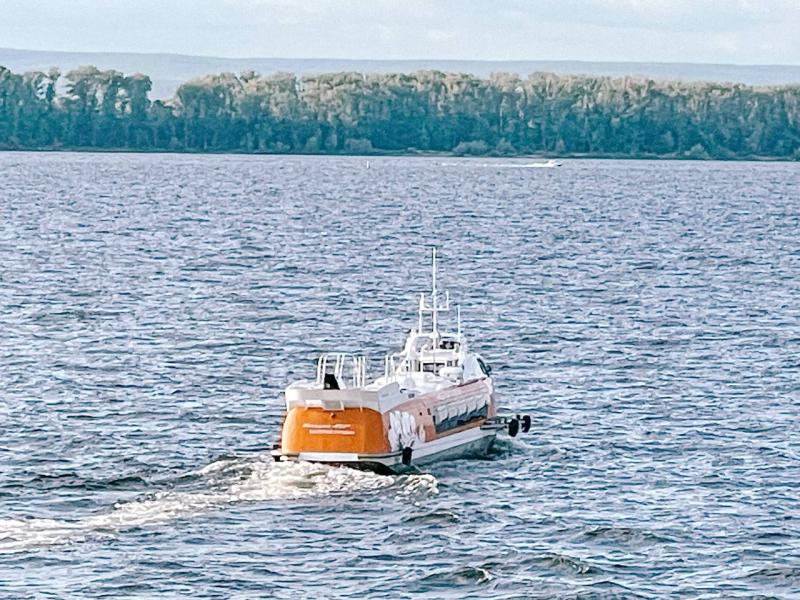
(334, 363)
(389, 367)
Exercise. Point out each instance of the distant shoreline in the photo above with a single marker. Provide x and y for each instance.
(448, 155)
(427, 113)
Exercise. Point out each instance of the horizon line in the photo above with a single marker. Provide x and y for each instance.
(407, 60)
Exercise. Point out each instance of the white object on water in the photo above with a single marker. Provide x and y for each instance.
(550, 164)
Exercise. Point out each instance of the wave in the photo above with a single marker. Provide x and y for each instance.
(626, 535)
(72, 480)
(563, 562)
(226, 481)
(779, 572)
(440, 516)
(464, 575)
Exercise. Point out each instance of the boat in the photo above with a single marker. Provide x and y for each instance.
(549, 164)
(435, 400)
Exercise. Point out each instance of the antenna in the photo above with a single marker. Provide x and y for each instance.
(434, 299)
(458, 312)
(421, 309)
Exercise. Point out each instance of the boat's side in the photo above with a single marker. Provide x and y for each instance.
(473, 441)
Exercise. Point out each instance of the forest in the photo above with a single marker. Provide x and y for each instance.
(423, 112)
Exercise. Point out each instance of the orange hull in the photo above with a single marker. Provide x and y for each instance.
(366, 431)
(352, 430)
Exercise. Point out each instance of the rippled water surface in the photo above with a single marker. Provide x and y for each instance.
(152, 307)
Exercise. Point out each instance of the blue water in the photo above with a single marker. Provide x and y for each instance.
(152, 307)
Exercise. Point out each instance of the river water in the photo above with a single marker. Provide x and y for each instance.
(152, 307)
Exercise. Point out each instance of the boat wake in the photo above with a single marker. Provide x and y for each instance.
(224, 482)
(550, 164)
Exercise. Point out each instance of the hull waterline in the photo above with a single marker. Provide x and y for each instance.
(475, 442)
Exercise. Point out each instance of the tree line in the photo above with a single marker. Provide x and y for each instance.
(428, 111)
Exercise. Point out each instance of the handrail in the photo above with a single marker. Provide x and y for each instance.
(358, 368)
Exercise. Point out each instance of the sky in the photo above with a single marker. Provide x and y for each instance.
(699, 31)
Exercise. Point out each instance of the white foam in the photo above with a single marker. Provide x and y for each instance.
(423, 484)
(227, 481)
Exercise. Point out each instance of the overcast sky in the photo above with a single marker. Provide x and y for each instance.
(726, 31)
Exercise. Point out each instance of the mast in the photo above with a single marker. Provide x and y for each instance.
(434, 303)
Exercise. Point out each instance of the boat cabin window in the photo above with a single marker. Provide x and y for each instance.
(425, 343)
(449, 345)
(430, 367)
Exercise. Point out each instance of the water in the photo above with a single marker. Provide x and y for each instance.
(152, 307)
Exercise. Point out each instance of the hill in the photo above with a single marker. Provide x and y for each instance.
(168, 71)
